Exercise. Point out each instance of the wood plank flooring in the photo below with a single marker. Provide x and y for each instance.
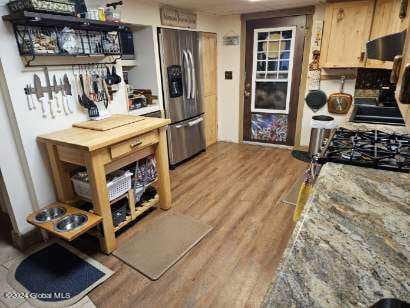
(236, 189)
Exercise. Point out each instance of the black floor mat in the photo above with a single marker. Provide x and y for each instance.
(56, 271)
(301, 155)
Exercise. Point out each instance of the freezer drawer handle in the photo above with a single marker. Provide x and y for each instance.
(188, 80)
(195, 122)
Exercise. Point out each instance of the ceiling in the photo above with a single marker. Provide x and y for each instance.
(228, 7)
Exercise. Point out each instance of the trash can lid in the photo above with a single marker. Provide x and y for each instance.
(322, 118)
(323, 121)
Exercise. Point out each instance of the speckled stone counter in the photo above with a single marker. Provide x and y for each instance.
(384, 128)
(351, 247)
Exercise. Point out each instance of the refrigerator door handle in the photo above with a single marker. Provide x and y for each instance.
(193, 88)
(188, 78)
(195, 122)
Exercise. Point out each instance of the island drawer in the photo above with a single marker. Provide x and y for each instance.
(133, 144)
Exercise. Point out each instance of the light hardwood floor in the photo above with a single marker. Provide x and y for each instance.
(236, 189)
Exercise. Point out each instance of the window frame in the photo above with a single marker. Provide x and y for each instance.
(289, 71)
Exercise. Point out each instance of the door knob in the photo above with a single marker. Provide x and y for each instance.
(248, 93)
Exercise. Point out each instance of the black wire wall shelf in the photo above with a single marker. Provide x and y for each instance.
(40, 35)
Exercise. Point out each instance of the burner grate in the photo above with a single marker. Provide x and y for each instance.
(373, 149)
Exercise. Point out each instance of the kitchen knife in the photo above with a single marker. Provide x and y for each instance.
(64, 98)
(30, 103)
(39, 94)
(68, 92)
(50, 93)
(29, 89)
(56, 94)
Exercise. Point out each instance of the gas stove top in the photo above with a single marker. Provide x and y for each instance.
(372, 149)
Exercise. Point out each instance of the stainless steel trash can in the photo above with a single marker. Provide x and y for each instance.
(321, 127)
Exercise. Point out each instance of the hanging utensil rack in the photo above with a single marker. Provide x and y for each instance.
(94, 38)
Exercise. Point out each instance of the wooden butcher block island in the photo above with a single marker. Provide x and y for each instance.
(102, 147)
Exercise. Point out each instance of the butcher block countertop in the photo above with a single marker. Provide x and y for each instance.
(90, 139)
(351, 247)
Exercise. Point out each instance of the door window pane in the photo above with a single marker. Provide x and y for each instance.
(272, 75)
(284, 55)
(260, 75)
(287, 34)
(261, 66)
(284, 65)
(261, 46)
(261, 56)
(271, 95)
(283, 76)
(262, 36)
(273, 55)
(285, 45)
(272, 65)
(274, 36)
(273, 47)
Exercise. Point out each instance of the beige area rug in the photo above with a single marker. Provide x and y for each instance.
(166, 240)
(291, 196)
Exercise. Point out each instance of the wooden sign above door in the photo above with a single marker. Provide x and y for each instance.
(174, 17)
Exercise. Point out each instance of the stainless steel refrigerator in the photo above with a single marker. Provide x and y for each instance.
(181, 86)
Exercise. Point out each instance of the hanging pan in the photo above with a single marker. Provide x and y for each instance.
(316, 99)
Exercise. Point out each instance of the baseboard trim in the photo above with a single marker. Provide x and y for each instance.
(303, 148)
(270, 145)
(27, 240)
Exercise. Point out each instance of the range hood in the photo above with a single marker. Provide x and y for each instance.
(385, 48)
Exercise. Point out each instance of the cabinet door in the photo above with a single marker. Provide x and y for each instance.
(209, 63)
(209, 73)
(386, 21)
(346, 31)
(211, 128)
(404, 108)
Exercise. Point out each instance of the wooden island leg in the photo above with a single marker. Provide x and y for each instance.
(61, 176)
(96, 174)
(161, 154)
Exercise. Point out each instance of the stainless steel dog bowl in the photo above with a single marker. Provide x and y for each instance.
(50, 214)
(70, 222)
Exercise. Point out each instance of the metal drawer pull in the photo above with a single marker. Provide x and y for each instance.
(195, 122)
(135, 144)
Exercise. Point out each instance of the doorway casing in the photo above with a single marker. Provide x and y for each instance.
(308, 11)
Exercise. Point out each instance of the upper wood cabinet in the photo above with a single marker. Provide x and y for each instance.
(386, 21)
(404, 108)
(347, 28)
(349, 25)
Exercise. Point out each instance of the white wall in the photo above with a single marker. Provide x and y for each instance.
(228, 90)
(144, 75)
(11, 166)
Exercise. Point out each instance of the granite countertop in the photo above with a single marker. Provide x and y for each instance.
(351, 246)
(384, 128)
